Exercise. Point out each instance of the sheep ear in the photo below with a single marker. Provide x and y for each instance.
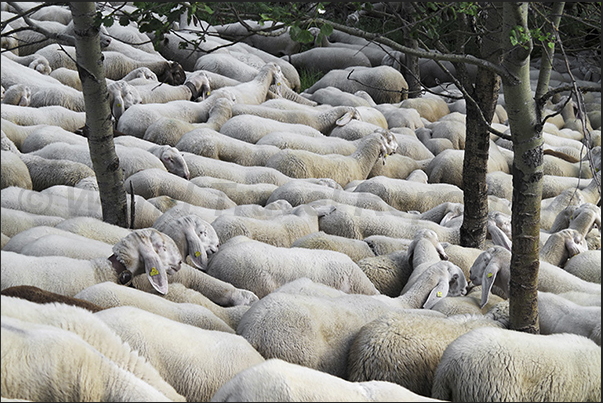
(196, 249)
(488, 278)
(573, 247)
(438, 293)
(499, 237)
(154, 268)
(441, 251)
(345, 119)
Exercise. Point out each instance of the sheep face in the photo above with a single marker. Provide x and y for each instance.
(491, 267)
(389, 143)
(172, 74)
(451, 282)
(202, 240)
(200, 86)
(194, 237)
(174, 162)
(151, 252)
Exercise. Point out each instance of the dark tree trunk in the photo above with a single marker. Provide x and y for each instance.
(477, 142)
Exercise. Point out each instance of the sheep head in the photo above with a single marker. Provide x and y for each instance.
(491, 267)
(347, 117)
(149, 251)
(199, 85)
(451, 282)
(194, 237)
(172, 74)
(389, 143)
(425, 242)
(40, 64)
(172, 159)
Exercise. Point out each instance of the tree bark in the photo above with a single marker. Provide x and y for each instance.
(526, 133)
(99, 126)
(546, 60)
(477, 142)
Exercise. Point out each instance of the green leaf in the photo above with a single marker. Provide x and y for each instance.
(305, 37)
(326, 29)
(124, 20)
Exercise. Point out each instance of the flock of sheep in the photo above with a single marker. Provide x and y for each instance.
(287, 245)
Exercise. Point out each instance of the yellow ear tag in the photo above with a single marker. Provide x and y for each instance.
(119, 105)
(489, 275)
(153, 272)
(439, 294)
(197, 254)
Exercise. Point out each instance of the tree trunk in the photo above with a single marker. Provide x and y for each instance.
(546, 60)
(477, 142)
(412, 71)
(526, 133)
(99, 127)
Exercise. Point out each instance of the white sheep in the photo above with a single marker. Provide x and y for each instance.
(335, 97)
(468, 304)
(405, 348)
(374, 80)
(94, 228)
(68, 201)
(151, 92)
(109, 295)
(137, 118)
(197, 364)
(322, 321)
(425, 250)
(358, 223)
(14, 171)
(54, 115)
(265, 267)
(43, 135)
(322, 119)
(131, 160)
(354, 248)
(490, 364)
(18, 94)
(388, 272)
(342, 169)
(204, 166)
(406, 195)
(254, 92)
(280, 230)
(44, 89)
(82, 201)
(492, 267)
(195, 238)
(318, 145)
(240, 193)
(51, 241)
(561, 246)
(47, 172)
(152, 182)
(252, 128)
(280, 380)
(299, 191)
(169, 130)
(557, 314)
(14, 221)
(210, 143)
(239, 66)
(118, 64)
(178, 209)
(586, 265)
(95, 332)
(66, 357)
(143, 251)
